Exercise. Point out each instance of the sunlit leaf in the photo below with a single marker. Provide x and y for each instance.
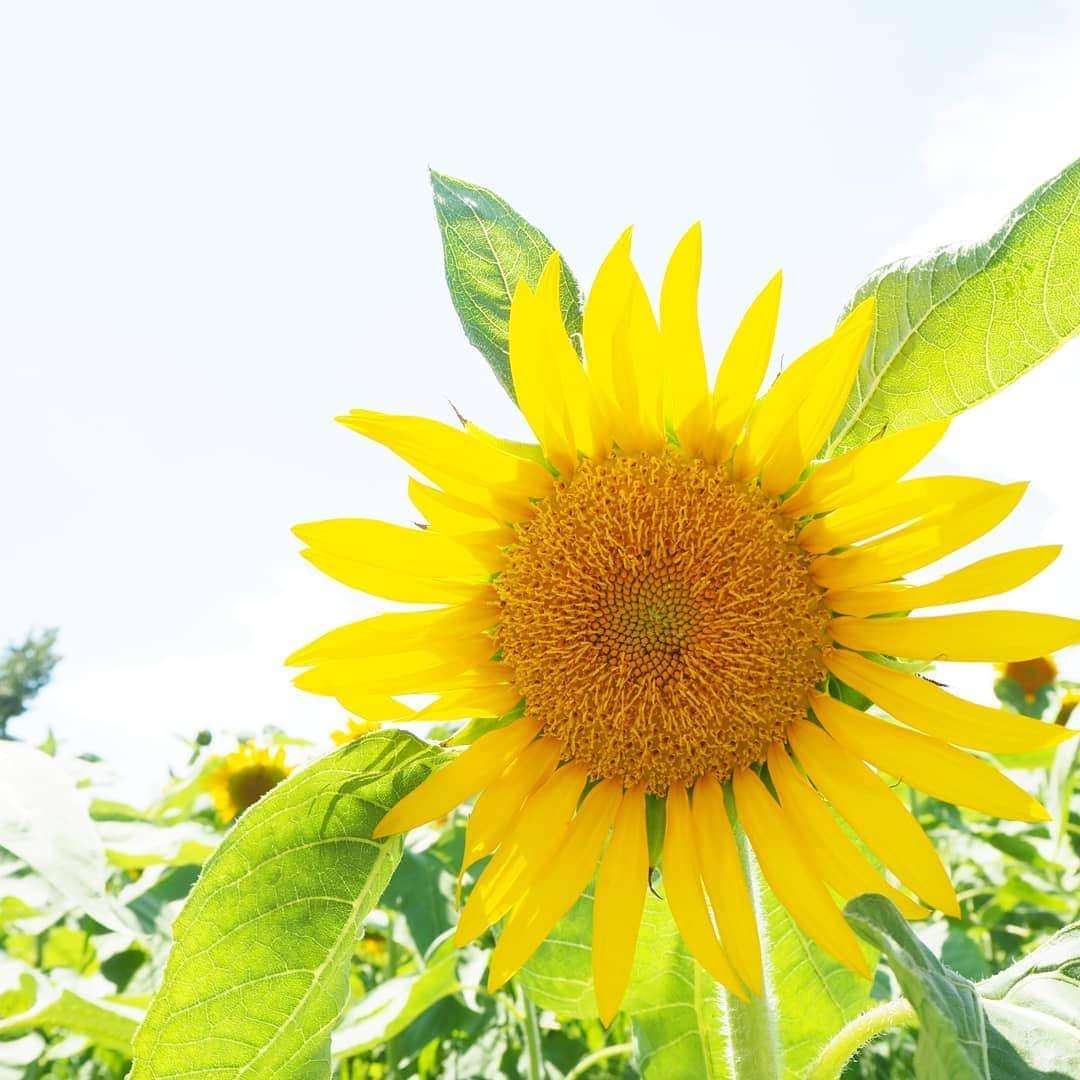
(45, 823)
(956, 326)
(488, 248)
(259, 973)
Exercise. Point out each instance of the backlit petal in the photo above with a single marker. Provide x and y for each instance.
(619, 903)
(682, 883)
(538, 833)
(876, 814)
(837, 859)
(861, 472)
(463, 776)
(979, 636)
(553, 894)
(987, 577)
(925, 763)
(791, 875)
(743, 369)
(918, 544)
(813, 417)
(901, 503)
(686, 386)
(725, 882)
(921, 704)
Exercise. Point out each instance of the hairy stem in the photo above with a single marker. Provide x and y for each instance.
(856, 1033)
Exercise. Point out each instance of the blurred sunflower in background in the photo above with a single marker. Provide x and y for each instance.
(354, 729)
(660, 596)
(244, 777)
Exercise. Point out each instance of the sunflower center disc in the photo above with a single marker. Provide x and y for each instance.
(661, 620)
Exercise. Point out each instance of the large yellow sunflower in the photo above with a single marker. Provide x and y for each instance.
(244, 777)
(658, 594)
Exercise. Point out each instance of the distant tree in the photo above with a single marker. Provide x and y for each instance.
(24, 670)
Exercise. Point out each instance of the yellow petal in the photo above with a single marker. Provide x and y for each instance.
(553, 894)
(455, 516)
(604, 310)
(898, 505)
(637, 374)
(990, 636)
(379, 707)
(743, 369)
(795, 403)
(395, 585)
(463, 776)
(876, 814)
(790, 874)
(919, 544)
(987, 577)
(925, 763)
(682, 882)
(399, 631)
(686, 389)
(386, 673)
(815, 415)
(861, 472)
(457, 461)
(836, 858)
(619, 903)
(485, 701)
(584, 423)
(500, 801)
(527, 450)
(921, 704)
(539, 832)
(725, 882)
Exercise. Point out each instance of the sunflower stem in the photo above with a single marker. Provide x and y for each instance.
(589, 1060)
(857, 1033)
(753, 1037)
(532, 1039)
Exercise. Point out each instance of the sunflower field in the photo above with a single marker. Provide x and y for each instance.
(656, 764)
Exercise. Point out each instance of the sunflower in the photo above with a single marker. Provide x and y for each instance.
(244, 777)
(659, 595)
(354, 729)
(1030, 675)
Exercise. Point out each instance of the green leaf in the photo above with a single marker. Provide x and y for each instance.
(488, 248)
(258, 975)
(961, 323)
(1033, 1008)
(49, 1008)
(392, 1005)
(44, 822)
(953, 1030)
(1021, 1024)
(684, 1023)
(134, 845)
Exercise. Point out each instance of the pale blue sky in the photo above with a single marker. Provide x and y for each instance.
(216, 234)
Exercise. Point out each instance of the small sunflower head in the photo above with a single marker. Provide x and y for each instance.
(354, 729)
(244, 777)
(1030, 675)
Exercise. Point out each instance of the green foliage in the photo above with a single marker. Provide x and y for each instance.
(24, 670)
(956, 326)
(1017, 1024)
(281, 900)
(489, 248)
(684, 1023)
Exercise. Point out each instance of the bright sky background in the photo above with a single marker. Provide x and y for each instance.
(216, 234)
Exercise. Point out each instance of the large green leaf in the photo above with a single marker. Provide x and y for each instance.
(258, 975)
(953, 1029)
(489, 248)
(1021, 1024)
(392, 1005)
(45, 823)
(684, 1024)
(1034, 1006)
(956, 326)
